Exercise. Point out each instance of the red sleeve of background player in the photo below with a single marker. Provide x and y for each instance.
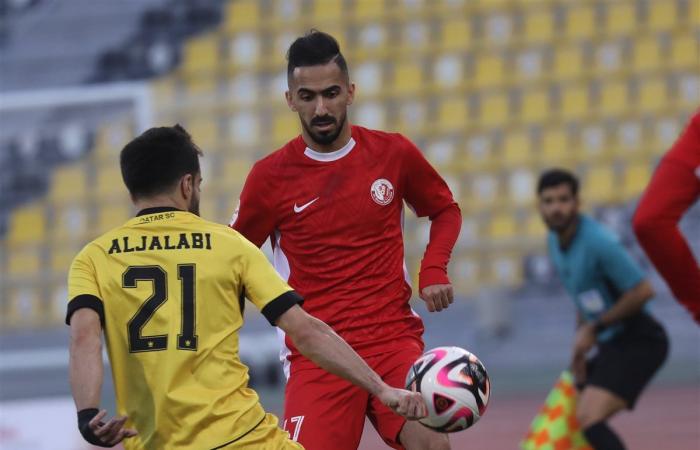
(674, 187)
(254, 217)
(428, 195)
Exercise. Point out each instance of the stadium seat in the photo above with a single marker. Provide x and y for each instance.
(575, 101)
(484, 190)
(503, 228)
(109, 181)
(324, 11)
(490, 70)
(555, 147)
(620, 18)
(201, 55)
(580, 20)
(69, 182)
(70, 222)
(452, 114)
(111, 216)
(521, 187)
(204, 132)
(242, 15)
(539, 23)
(506, 270)
(448, 72)
(662, 15)
(517, 148)
(455, 34)
(498, 27)
(608, 59)
(285, 125)
(534, 226)
(244, 50)
(636, 178)
(600, 185)
(466, 269)
(61, 258)
(535, 105)
(28, 224)
(407, 77)
(568, 62)
(479, 153)
(685, 51)
(646, 54)
(25, 262)
(653, 95)
(365, 10)
(614, 98)
(494, 110)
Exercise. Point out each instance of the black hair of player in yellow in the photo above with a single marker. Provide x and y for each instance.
(153, 162)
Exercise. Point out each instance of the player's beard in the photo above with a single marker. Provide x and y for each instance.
(326, 138)
(194, 205)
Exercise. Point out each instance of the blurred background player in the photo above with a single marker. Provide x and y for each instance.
(674, 188)
(331, 201)
(610, 293)
(168, 289)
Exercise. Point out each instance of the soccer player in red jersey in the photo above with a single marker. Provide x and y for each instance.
(331, 201)
(673, 189)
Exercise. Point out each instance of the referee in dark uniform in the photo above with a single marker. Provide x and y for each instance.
(611, 295)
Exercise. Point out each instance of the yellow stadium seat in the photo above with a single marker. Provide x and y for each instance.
(25, 262)
(685, 52)
(568, 62)
(539, 25)
(662, 15)
(613, 98)
(452, 114)
(490, 71)
(555, 146)
(575, 102)
(112, 215)
(466, 270)
(109, 181)
(495, 109)
(201, 54)
(455, 34)
(534, 226)
(517, 148)
(285, 125)
(503, 227)
(61, 258)
(408, 77)
(636, 178)
(535, 105)
(621, 18)
(69, 182)
(694, 14)
(600, 185)
(368, 9)
(646, 54)
(242, 14)
(204, 131)
(28, 224)
(653, 95)
(323, 11)
(580, 21)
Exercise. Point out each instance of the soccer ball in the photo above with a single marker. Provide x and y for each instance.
(454, 385)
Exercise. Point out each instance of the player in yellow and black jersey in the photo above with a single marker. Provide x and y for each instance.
(167, 288)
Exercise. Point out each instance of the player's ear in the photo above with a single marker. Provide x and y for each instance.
(288, 97)
(187, 185)
(351, 94)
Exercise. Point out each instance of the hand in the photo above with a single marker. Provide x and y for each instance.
(404, 403)
(437, 297)
(585, 340)
(106, 434)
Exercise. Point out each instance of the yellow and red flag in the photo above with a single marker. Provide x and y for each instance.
(555, 426)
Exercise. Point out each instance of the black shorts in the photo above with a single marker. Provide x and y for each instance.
(627, 362)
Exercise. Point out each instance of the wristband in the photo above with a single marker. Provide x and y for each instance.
(84, 418)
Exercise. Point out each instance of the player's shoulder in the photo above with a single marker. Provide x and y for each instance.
(385, 142)
(99, 245)
(597, 234)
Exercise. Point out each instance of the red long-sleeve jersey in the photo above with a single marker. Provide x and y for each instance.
(335, 221)
(674, 187)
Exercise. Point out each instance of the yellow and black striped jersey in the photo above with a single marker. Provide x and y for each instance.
(169, 288)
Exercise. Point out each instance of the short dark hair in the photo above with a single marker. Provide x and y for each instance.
(555, 177)
(154, 161)
(312, 49)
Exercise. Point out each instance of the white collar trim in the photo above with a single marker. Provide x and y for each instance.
(331, 156)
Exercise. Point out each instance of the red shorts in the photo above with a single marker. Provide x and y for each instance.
(323, 411)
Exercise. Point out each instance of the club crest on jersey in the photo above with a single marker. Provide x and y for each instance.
(382, 191)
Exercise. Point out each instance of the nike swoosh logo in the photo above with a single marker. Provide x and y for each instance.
(298, 209)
